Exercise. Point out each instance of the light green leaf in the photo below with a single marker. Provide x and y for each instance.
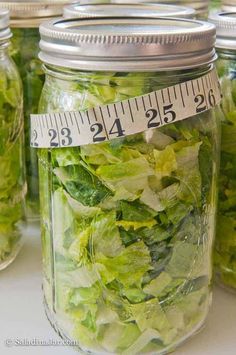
(129, 266)
(157, 285)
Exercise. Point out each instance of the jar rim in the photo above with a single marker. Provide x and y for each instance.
(225, 23)
(200, 6)
(127, 10)
(5, 32)
(29, 13)
(127, 44)
(228, 8)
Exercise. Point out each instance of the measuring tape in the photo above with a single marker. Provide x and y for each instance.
(135, 115)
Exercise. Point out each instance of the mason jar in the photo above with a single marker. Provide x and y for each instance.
(128, 159)
(12, 182)
(25, 20)
(200, 6)
(228, 5)
(225, 249)
(127, 10)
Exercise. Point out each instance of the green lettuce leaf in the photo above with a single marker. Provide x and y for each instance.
(130, 265)
(81, 185)
(105, 236)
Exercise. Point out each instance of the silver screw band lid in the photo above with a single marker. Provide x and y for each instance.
(127, 10)
(225, 23)
(200, 6)
(31, 13)
(5, 32)
(228, 5)
(127, 44)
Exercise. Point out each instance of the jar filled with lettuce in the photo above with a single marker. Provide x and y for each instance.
(200, 6)
(225, 250)
(127, 10)
(128, 213)
(26, 17)
(12, 182)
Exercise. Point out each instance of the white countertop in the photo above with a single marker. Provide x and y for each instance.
(22, 315)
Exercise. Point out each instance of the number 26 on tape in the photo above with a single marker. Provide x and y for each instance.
(201, 101)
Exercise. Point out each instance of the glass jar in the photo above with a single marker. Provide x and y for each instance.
(127, 10)
(225, 250)
(200, 6)
(127, 224)
(12, 182)
(228, 5)
(25, 20)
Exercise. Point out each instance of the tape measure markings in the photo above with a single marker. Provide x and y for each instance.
(40, 125)
(138, 114)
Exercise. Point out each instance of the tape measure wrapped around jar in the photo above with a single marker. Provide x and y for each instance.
(128, 144)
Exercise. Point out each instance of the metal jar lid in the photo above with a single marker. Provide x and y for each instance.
(127, 44)
(228, 5)
(200, 6)
(5, 32)
(30, 13)
(225, 23)
(127, 10)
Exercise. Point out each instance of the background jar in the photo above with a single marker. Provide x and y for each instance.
(25, 18)
(128, 224)
(225, 250)
(12, 172)
(127, 10)
(200, 6)
(228, 5)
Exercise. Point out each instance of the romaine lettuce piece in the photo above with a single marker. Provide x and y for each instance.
(24, 51)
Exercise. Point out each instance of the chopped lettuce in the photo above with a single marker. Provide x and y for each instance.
(225, 246)
(24, 51)
(12, 184)
(129, 266)
(157, 285)
(132, 263)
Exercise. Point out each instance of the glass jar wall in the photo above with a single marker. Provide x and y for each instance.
(24, 51)
(12, 174)
(128, 224)
(225, 252)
